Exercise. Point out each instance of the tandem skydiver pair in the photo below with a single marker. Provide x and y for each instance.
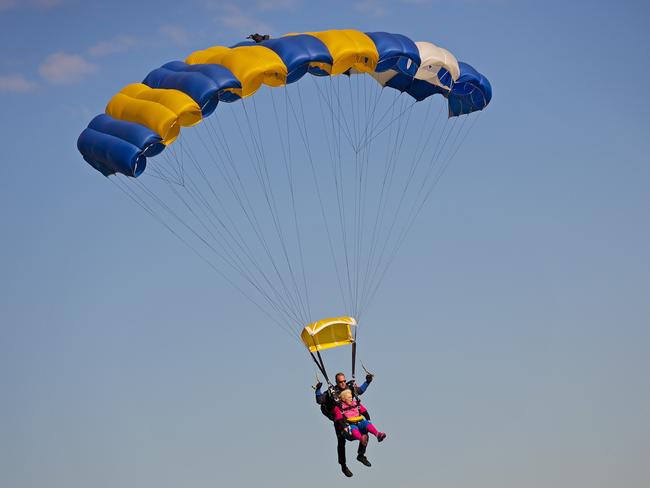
(340, 403)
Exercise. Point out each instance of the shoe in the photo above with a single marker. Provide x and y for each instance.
(346, 471)
(381, 436)
(363, 460)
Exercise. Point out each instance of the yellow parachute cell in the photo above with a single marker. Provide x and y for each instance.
(252, 65)
(162, 110)
(328, 333)
(349, 49)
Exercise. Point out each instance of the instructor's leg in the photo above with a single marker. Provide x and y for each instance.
(340, 448)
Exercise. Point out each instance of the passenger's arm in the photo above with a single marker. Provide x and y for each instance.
(339, 419)
(364, 411)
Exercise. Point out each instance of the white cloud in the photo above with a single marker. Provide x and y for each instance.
(40, 4)
(239, 20)
(7, 4)
(176, 34)
(82, 113)
(47, 3)
(431, 3)
(242, 22)
(16, 84)
(270, 5)
(63, 68)
(374, 8)
(116, 45)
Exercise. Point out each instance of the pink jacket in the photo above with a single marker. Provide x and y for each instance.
(348, 411)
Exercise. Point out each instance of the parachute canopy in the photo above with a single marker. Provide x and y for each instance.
(182, 93)
(328, 333)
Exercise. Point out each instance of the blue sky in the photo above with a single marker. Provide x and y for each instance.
(515, 322)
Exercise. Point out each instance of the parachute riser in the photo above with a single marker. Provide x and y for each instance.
(321, 366)
(354, 357)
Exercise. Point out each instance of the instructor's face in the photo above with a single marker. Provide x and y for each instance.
(340, 381)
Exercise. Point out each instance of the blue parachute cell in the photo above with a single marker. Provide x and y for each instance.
(117, 146)
(296, 52)
(148, 141)
(471, 92)
(204, 83)
(109, 154)
(396, 52)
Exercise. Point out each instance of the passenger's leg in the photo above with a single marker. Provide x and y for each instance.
(361, 452)
(356, 434)
(373, 430)
(363, 445)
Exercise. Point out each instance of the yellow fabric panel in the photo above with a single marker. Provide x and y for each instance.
(349, 49)
(211, 55)
(153, 115)
(188, 111)
(321, 324)
(328, 333)
(163, 111)
(251, 65)
(324, 66)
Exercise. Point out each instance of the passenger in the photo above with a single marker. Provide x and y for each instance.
(354, 419)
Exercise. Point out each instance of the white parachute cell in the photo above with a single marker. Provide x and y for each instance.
(434, 58)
